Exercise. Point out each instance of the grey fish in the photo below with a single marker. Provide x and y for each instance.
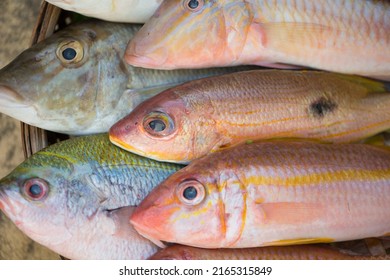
(75, 197)
(76, 81)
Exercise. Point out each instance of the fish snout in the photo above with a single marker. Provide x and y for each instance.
(141, 54)
(6, 205)
(148, 223)
(10, 98)
(151, 218)
(119, 133)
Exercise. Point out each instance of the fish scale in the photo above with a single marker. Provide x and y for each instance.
(273, 193)
(92, 189)
(348, 36)
(214, 113)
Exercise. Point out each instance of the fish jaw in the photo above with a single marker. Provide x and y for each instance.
(148, 219)
(6, 206)
(10, 98)
(164, 42)
(16, 106)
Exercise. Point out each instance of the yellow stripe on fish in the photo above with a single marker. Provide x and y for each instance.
(277, 192)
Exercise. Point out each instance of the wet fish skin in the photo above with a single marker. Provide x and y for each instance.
(272, 193)
(93, 188)
(90, 93)
(297, 252)
(135, 11)
(211, 114)
(349, 36)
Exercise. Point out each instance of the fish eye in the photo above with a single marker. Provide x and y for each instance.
(190, 192)
(193, 5)
(158, 124)
(35, 189)
(70, 53)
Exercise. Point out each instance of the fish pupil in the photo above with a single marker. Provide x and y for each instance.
(35, 190)
(157, 125)
(190, 193)
(69, 53)
(193, 4)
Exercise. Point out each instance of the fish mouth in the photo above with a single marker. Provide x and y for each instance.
(5, 205)
(157, 242)
(156, 59)
(10, 98)
(140, 61)
(123, 145)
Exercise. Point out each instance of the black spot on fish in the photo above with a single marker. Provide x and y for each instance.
(322, 106)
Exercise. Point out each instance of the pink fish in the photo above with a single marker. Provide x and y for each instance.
(203, 116)
(272, 193)
(348, 36)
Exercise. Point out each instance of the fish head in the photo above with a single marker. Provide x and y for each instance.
(48, 201)
(32, 197)
(55, 83)
(191, 34)
(183, 209)
(162, 128)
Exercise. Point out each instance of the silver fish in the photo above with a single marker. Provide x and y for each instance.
(75, 197)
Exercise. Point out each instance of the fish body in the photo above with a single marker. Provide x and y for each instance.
(76, 81)
(112, 10)
(297, 252)
(347, 36)
(207, 115)
(75, 197)
(272, 193)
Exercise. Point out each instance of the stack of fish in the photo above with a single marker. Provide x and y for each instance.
(272, 155)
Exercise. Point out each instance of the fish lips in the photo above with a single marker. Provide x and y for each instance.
(7, 206)
(9, 98)
(138, 55)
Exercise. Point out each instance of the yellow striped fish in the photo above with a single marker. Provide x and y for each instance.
(272, 193)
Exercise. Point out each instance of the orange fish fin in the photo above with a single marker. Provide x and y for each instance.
(291, 212)
(299, 241)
